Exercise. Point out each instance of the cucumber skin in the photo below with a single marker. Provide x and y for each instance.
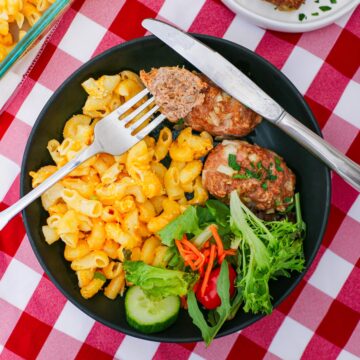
(153, 328)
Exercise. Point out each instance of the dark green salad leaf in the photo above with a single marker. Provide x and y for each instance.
(236, 303)
(204, 216)
(158, 283)
(176, 262)
(219, 211)
(223, 311)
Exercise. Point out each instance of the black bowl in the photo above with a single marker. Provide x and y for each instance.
(313, 180)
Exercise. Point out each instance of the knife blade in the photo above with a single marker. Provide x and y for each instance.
(221, 71)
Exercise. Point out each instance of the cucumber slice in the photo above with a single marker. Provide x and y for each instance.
(147, 315)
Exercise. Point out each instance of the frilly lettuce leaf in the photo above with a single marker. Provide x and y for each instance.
(158, 283)
(268, 250)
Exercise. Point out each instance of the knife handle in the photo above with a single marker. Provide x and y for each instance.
(333, 158)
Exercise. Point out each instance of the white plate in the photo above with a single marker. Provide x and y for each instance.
(265, 15)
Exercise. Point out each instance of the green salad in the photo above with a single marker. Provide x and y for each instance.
(220, 260)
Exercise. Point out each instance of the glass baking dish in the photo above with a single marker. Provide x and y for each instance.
(34, 34)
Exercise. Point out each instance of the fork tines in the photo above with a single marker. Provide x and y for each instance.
(137, 123)
(138, 110)
(149, 128)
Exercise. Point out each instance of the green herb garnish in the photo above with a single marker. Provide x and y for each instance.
(315, 14)
(333, 1)
(302, 17)
(250, 174)
(325, 8)
(240, 176)
(233, 163)
(180, 121)
(99, 275)
(264, 186)
(253, 174)
(277, 165)
(272, 177)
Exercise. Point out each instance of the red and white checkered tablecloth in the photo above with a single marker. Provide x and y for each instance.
(320, 320)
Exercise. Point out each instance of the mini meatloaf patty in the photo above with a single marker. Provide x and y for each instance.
(204, 106)
(221, 115)
(287, 5)
(176, 90)
(260, 176)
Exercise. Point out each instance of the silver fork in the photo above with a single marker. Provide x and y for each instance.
(111, 136)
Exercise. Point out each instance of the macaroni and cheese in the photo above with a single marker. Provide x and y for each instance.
(112, 204)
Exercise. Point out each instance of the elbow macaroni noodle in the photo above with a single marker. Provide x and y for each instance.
(114, 203)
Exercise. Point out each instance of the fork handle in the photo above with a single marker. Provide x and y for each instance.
(333, 158)
(10, 212)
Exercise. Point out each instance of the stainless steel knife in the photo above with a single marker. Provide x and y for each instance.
(234, 82)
